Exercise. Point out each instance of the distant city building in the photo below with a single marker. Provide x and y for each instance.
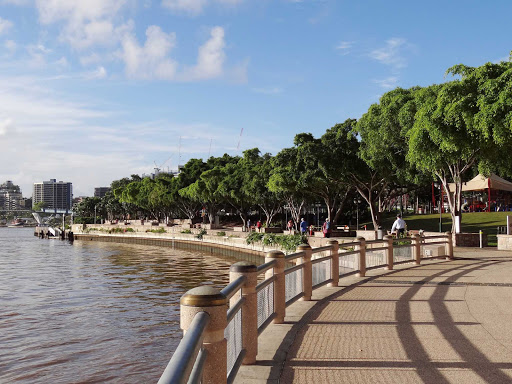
(158, 172)
(55, 195)
(101, 191)
(10, 197)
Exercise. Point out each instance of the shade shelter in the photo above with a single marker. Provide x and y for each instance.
(482, 183)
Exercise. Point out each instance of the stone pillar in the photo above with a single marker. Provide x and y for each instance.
(307, 277)
(279, 284)
(362, 256)
(335, 263)
(449, 246)
(389, 252)
(249, 308)
(212, 301)
(416, 241)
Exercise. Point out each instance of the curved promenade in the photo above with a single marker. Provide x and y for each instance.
(441, 322)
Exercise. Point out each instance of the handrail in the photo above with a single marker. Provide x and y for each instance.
(266, 282)
(265, 267)
(182, 362)
(233, 287)
(321, 249)
(234, 309)
(187, 363)
(294, 256)
(321, 259)
(293, 269)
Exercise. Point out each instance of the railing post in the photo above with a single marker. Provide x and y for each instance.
(279, 284)
(362, 256)
(335, 263)
(449, 245)
(249, 308)
(389, 251)
(307, 278)
(416, 240)
(212, 301)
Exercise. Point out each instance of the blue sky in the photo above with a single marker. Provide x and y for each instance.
(95, 90)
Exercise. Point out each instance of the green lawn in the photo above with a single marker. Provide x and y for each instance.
(471, 222)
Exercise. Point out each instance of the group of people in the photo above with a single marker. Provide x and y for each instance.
(399, 227)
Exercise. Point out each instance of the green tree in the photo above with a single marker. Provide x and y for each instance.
(462, 123)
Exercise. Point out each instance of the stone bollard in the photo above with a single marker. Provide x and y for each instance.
(279, 284)
(362, 256)
(249, 308)
(416, 240)
(449, 245)
(335, 263)
(307, 277)
(389, 251)
(212, 301)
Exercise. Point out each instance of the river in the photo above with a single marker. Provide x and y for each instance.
(92, 312)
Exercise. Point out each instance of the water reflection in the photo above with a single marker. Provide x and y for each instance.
(92, 312)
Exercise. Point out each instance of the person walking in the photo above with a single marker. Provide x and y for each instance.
(248, 225)
(290, 226)
(258, 225)
(303, 227)
(326, 228)
(399, 226)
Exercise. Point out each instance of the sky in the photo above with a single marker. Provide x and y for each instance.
(95, 90)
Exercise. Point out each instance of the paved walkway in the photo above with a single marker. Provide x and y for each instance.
(442, 322)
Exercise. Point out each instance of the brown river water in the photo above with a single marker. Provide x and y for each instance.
(93, 312)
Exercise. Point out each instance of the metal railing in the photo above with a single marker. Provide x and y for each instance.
(222, 326)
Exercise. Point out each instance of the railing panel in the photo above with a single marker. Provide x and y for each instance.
(403, 253)
(321, 271)
(265, 303)
(294, 284)
(233, 335)
(348, 263)
(375, 258)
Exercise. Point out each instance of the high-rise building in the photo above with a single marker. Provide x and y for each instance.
(101, 191)
(10, 197)
(55, 195)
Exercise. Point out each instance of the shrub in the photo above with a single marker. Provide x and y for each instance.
(221, 233)
(286, 242)
(201, 233)
(159, 230)
(186, 231)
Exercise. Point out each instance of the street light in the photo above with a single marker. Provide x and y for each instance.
(95, 213)
(357, 201)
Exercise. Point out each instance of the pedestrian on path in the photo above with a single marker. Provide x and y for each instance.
(258, 225)
(303, 227)
(399, 226)
(326, 228)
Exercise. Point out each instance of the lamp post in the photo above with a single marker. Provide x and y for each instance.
(356, 202)
(439, 207)
(95, 213)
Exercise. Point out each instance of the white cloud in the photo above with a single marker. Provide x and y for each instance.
(152, 60)
(99, 73)
(195, 7)
(345, 47)
(10, 46)
(210, 58)
(87, 22)
(268, 90)
(192, 7)
(16, 2)
(389, 82)
(5, 25)
(392, 53)
(62, 62)
(5, 125)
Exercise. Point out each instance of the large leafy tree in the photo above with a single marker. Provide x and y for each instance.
(462, 123)
(384, 171)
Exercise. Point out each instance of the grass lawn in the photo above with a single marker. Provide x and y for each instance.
(471, 222)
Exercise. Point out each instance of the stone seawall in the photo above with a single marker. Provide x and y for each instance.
(183, 244)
